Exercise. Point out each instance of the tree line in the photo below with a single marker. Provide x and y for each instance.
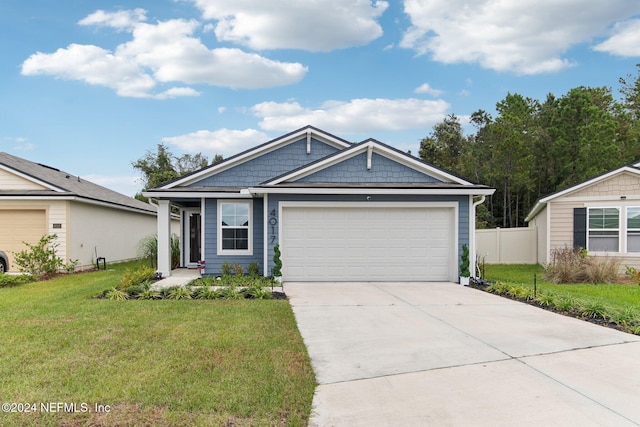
(533, 148)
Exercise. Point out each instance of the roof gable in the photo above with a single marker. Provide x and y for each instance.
(264, 161)
(368, 162)
(604, 184)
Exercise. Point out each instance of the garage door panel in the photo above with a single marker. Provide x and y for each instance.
(367, 244)
(18, 226)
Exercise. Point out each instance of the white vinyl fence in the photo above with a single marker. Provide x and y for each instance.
(507, 245)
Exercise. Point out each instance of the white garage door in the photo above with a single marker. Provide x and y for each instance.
(379, 243)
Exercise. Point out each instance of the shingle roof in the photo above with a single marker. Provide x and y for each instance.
(64, 184)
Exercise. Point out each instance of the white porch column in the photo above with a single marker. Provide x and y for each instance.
(164, 237)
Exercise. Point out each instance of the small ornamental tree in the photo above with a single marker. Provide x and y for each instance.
(40, 260)
(277, 262)
(464, 262)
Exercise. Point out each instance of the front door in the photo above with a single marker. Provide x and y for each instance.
(193, 226)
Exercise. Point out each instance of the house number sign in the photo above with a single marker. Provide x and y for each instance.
(273, 221)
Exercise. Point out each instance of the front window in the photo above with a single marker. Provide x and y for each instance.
(633, 229)
(604, 229)
(234, 228)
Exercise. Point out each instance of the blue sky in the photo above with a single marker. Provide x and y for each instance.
(89, 86)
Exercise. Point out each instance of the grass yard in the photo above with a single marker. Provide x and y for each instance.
(167, 362)
(616, 304)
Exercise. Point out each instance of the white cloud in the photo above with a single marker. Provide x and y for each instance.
(355, 116)
(222, 141)
(319, 25)
(18, 143)
(426, 88)
(525, 36)
(625, 41)
(121, 20)
(160, 54)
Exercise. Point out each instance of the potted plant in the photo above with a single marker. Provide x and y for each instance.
(277, 264)
(464, 266)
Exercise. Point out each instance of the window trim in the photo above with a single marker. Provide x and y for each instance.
(225, 252)
(628, 229)
(618, 230)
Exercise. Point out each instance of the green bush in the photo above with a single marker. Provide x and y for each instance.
(254, 269)
(40, 260)
(11, 280)
(225, 269)
(277, 262)
(137, 277)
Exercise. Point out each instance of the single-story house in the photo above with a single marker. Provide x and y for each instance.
(337, 210)
(601, 215)
(90, 221)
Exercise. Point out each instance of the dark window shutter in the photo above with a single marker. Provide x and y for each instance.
(580, 227)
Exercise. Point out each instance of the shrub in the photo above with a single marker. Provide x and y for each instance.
(601, 270)
(254, 269)
(148, 249)
(137, 277)
(9, 280)
(238, 270)
(40, 260)
(225, 269)
(464, 264)
(574, 266)
(135, 290)
(567, 265)
(277, 262)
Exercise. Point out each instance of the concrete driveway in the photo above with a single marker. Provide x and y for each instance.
(410, 354)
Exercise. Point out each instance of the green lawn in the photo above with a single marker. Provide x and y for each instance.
(164, 362)
(618, 302)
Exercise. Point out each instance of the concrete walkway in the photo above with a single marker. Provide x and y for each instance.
(440, 354)
(179, 277)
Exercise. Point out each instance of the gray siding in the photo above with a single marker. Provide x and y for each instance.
(269, 165)
(383, 170)
(213, 260)
(463, 211)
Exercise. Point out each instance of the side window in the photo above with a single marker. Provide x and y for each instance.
(633, 229)
(603, 229)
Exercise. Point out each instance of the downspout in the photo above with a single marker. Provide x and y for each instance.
(472, 237)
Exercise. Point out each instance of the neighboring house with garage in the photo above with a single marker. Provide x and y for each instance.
(601, 215)
(90, 221)
(339, 212)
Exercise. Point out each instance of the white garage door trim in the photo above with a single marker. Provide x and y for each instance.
(453, 218)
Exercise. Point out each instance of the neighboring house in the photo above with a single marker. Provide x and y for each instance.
(339, 211)
(90, 221)
(601, 215)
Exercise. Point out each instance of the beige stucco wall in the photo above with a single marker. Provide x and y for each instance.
(113, 233)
